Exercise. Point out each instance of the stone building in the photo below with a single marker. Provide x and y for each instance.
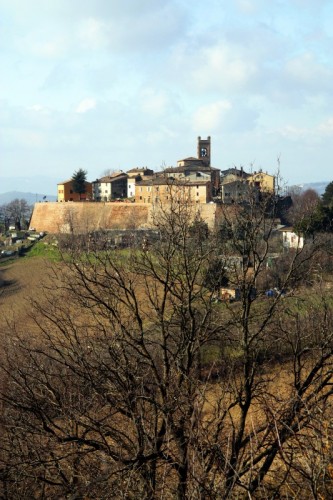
(194, 170)
(161, 190)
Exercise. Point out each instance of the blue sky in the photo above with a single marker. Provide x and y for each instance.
(116, 84)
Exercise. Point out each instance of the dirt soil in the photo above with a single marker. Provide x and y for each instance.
(20, 280)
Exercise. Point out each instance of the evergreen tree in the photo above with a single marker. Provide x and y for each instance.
(327, 197)
(79, 181)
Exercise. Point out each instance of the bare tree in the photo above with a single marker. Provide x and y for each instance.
(16, 212)
(112, 389)
(304, 205)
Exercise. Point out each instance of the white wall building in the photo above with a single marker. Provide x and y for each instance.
(110, 187)
(290, 239)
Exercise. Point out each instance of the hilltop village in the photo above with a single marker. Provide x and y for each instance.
(203, 182)
(127, 200)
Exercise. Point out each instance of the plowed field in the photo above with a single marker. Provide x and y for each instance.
(20, 279)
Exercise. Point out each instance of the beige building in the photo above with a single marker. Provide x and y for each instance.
(238, 192)
(162, 190)
(135, 175)
(66, 192)
(233, 174)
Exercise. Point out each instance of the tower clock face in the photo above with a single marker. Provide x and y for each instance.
(203, 152)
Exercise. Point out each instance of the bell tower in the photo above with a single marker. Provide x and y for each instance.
(204, 150)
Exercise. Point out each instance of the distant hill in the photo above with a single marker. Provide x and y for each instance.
(316, 186)
(31, 184)
(319, 187)
(31, 198)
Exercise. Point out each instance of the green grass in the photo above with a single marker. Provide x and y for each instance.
(52, 253)
(40, 249)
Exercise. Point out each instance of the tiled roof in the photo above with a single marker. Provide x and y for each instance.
(111, 178)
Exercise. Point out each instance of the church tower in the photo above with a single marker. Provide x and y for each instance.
(204, 150)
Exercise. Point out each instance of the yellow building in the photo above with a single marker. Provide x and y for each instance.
(263, 181)
(162, 190)
(66, 192)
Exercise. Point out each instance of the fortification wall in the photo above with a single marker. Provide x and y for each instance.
(81, 217)
(210, 212)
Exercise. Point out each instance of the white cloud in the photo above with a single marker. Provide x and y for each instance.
(39, 109)
(211, 116)
(326, 128)
(221, 67)
(293, 133)
(93, 34)
(247, 6)
(44, 43)
(25, 138)
(255, 75)
(307, 70)
(86, 105)
(154, 102)
(158, 136)
(309, 135)
(226, 117)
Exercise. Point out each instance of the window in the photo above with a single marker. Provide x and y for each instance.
(71, 191)
(140, 197)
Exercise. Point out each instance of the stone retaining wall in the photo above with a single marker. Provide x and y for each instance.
(81, 217)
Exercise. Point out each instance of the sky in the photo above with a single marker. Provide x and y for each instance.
(117, 84)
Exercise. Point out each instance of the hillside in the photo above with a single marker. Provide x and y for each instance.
(20, 280)
(115, 332)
